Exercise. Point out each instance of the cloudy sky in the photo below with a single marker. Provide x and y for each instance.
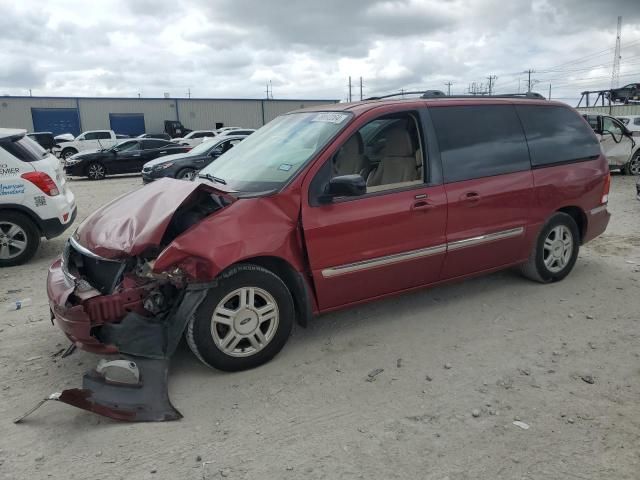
(308, 49)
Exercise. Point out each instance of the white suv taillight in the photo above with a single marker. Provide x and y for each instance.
(605, 191)
(43, 181)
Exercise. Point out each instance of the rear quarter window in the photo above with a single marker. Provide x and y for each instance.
(557, 135)
(479, 141)
(24, 149)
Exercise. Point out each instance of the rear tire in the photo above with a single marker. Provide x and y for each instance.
(19, 239)
(96, 171)
(244, 321)
(555, 251)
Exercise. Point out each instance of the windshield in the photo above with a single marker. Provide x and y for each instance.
(203, 148)
(268, 158)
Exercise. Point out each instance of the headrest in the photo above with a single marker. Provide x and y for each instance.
(353, 146)
(398, 143)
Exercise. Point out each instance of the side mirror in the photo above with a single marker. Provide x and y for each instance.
(345, 186)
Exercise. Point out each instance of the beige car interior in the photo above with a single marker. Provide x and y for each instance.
(400, 162)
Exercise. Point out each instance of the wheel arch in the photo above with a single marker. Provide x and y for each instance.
(294, 280)
(579, 216)
(26, 212)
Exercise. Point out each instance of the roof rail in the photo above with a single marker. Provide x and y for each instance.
(439, 94)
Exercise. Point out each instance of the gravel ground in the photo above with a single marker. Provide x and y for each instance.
(460, 364)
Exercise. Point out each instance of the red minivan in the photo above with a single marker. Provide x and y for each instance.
(325, 208)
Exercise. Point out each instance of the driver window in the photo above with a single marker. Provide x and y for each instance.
(386, 152)
(608, 125)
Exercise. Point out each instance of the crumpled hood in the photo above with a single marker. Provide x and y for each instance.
(136, 221)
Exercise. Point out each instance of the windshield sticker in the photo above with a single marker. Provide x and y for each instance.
(285, 167)
(330, 117)
(11, 189)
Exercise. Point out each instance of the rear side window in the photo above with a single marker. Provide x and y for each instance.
(557, 135)
(24, 149)
(154, 143)
(479, 141)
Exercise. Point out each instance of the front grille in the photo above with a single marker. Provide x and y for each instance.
(101, 273)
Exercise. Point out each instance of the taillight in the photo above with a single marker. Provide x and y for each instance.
(605, 191)
(43, 182)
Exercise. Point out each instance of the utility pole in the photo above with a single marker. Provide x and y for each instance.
(271, 87)
(349, 88)
(529, 84)
(549, 97)
(361, 89)
(30, 94)
(402, 92)
(448, 84)
(491, 79)
(189, 92)
(615, 74)
(267, 89)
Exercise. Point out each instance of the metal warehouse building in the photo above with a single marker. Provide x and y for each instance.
(133, 116)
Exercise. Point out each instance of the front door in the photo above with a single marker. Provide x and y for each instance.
(488, 183)
(390, 239)
(616, 146)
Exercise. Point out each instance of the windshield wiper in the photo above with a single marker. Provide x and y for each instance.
(211, 178)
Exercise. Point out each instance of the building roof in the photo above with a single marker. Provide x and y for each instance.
(170, 98)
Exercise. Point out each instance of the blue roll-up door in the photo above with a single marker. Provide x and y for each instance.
(131, 124)
(56, 120)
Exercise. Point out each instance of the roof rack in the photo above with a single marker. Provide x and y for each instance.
(440, 94)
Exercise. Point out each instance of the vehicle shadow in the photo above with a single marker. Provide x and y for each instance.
(106, 179)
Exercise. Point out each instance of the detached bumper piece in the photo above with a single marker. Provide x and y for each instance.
(130, 389)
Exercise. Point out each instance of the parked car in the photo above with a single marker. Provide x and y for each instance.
(44, 139)
(239, 131)
(617, 143)
(185, 166)
(91, 140)
(126, 157)
(625, 94)
(224, 129)
(195, 137)
(632, 122)
(159, 136)
(298, 219)
(35, 201)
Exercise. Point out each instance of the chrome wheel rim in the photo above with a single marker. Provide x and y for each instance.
(634, 165)
(245, 321)
(558, 248)
(13, 240)
(96, 171)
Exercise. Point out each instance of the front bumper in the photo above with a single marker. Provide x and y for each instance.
(74, 320)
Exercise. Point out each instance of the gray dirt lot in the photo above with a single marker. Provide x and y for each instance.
(516, 350)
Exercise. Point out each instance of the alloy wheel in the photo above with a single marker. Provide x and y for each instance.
(244, 321)
(13, 240)
(96, 171)
(558, 248)
(634, 165)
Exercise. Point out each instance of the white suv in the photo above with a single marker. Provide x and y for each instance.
(34, 199)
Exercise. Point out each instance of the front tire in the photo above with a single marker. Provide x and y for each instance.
(96, 171)
(186, 174)
(68, 152)
(244, 321)
(633, 166)
(555, 251)
(19, 239)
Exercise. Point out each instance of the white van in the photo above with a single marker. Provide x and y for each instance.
(34, 199)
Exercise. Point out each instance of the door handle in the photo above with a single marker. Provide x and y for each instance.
(471, 197)
(421, 205)
(164, 151)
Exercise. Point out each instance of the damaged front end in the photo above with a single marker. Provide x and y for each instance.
(106, 297)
